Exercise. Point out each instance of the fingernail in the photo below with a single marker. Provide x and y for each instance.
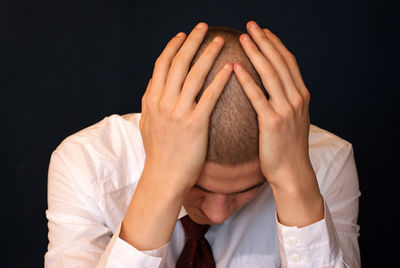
(218, 39)
(180, 34)
(253, 24)
(201, 25)
(239, 66)
(227, 66)
(268, 31)
(245, 37)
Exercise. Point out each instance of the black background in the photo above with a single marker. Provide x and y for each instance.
(67, 64)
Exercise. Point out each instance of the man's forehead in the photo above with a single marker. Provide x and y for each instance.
(243, 190)
(211, 168)
(217, 178)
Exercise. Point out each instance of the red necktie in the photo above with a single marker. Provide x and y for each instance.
(197, 252)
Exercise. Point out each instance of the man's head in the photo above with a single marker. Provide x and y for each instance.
(233, 131)
(231, 176)
(220, 191)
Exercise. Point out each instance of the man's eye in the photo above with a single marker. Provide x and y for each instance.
(202, 189)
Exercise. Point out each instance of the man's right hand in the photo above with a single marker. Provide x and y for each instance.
(174, 130)
(174, 127)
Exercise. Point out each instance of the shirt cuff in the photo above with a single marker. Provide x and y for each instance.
(314, 245)
(120, 253)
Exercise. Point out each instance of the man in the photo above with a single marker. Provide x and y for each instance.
(224, 139)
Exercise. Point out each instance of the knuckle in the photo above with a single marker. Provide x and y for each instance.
(264, 37)
(274, 121)
(291, 56)
(208, 93)
(246, 79)
(280, 59)
(144, 100)
(159, 61)
(298, 101)
(212, 46)
(206, 96)
(175, 60)
(180, 58)
(190, 124)
(259, 95)
(197, 72)
(177, 115)
(193, 123)
(307, 96)
(270, 72)
(151, 101)
(206, 57)
(173, 42)
(164, 107)
(288, 111)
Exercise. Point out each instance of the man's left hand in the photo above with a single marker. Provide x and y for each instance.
(284, 124)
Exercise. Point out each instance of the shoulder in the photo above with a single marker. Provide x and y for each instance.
(105, 133)
(324, 144)
(329, 153)
(108, 154)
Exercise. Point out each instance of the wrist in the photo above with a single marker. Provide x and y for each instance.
(171, 184)
(297, 197)
(299, 211)
(292, 177)
(151, 216)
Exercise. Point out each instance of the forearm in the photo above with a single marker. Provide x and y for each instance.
(153, 211)
(298, 203)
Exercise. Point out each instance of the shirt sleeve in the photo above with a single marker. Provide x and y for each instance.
(78, 235)
(119, 253)
(333, 241)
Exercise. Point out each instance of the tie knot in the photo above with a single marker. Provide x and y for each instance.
(193, 230)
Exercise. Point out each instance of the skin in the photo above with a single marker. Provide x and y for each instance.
(174, 130)
(220, 191)
(284, 124)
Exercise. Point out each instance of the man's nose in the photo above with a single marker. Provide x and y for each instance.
(217, 207)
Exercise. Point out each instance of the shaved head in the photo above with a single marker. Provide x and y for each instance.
(233, 131)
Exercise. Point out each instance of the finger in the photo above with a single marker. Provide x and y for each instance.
(274, 56)
(257, 98)
(197, 75)
(145, 96)
(163, 63)
(211, 94)
(290, 60)
(144, 105)
(181, 63)
(267, 72)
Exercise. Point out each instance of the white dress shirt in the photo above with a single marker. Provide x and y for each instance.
(94, 173)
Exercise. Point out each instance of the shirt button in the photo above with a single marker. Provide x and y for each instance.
(291, 241)
(295, 258)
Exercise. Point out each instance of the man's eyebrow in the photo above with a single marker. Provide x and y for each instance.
(238, 192)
